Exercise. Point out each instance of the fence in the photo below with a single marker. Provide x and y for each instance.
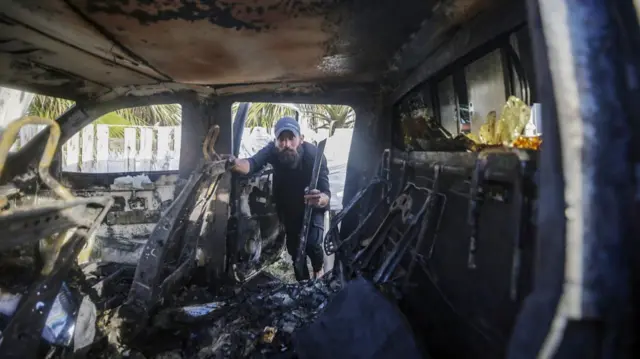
(96, 149)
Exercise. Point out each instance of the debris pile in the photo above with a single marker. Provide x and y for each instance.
(253, 321)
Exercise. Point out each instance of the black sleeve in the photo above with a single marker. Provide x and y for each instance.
(260, 159)
(323, 178)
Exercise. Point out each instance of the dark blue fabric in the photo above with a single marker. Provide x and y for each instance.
(287, 124)
(359, 323)
(289, 184)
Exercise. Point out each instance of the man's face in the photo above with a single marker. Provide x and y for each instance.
(288, 144)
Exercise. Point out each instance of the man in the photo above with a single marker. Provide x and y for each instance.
(292, 160)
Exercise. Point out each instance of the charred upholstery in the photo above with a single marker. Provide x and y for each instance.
(86, 49)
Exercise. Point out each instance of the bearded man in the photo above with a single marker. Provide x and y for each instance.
(292, 159)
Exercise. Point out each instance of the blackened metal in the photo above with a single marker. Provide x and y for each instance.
(193, 314)
(300, 265)
(26, 225)
(477, 199)
(208, 146)
(343, 252)
(238, 126)
(81, 181)
(191, 238)
(463, 104)
(21, 337)
(215, 240)
(145, 287)
(523, 191)
(331, 244)
(436, 202)
(450, 161)
(230, 326)
(146, 280)
(114, 40)
(385, 171)
(508, 75)
(399, 209)
(392, 260)
(135, 216)
(470, 36)
(219, 13)
(523, 80)
(495, 167)
(332, 240)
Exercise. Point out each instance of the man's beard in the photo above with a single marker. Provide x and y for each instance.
(289, 157)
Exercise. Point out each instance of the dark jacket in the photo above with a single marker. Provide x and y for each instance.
(289, 184)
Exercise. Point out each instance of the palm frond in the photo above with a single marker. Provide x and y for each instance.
(262, 114)
(49, 107)
(319, 116)
(161, 115)
(117, 122)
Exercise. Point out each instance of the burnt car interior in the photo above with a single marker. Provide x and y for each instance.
(463, 233)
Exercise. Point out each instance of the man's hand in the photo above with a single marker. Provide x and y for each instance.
(237, 165)
(231, 162)
(316, 199)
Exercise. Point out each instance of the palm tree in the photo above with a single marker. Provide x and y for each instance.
(152, 115)
(263, 114)
(329, 116)
(320, 116)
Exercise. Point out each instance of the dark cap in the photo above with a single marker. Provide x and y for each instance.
(287, 124)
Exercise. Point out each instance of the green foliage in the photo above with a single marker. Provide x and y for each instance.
(152, 115)
(320, 116)
(49, 107)
(329, 116)
(263, 114)
(118, 124)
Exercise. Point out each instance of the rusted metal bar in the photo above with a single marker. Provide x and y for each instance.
(9, 136)
(208, 146)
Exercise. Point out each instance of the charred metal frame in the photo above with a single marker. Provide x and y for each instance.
(21, 337)
(419, 221)
(332, 241)
(401, 208)
(147, 286)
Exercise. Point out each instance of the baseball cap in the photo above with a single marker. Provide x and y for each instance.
(287, 124)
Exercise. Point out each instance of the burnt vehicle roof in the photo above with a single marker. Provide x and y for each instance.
(98, 49)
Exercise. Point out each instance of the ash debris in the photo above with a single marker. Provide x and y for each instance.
(255, 320)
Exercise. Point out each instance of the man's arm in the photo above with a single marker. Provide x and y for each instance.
(258, 161)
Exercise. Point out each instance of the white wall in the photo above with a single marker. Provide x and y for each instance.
(13, 104)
